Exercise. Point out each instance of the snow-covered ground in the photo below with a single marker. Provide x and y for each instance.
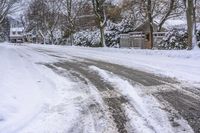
(34, 99)
(30, 99)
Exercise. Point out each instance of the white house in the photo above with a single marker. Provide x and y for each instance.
(17, 35)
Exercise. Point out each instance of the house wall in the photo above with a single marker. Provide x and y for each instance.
(16, 35)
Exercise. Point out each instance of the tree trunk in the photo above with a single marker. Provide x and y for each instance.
(102, 39)
(71, 39)
(51, 37)
(194, 40)
(151, 36)
(98, 7)
(189, 14)
(150, 19)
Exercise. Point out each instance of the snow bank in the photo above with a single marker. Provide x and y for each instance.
(30, 99)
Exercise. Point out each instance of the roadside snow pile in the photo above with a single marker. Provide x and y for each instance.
(20, 95)
(32, 97)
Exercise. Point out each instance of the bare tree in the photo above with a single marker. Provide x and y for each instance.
(167, 9)
(71, 10)
(6, 7)
(98, 6)
(151, 10)
(52, 18)
(43, 17)
(35, 18)
(150, 20)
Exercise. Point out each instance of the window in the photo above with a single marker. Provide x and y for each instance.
(14, 32)
(148, 37)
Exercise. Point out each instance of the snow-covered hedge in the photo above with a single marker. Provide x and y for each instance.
(174, 40)
(112, 39)
(112, 34)
(87, 38)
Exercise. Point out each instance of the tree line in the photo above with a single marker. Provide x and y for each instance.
(48, 18)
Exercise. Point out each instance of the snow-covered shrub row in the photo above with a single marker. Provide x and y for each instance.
(92, 38)
(87, 38)
(112, 34)
(174, 40)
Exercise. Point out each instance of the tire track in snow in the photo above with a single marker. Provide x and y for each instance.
(148, 81)
(94, 113)
(147, 107)
(111, 98)
(162, 87)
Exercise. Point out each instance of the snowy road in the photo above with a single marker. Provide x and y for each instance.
(49, 90)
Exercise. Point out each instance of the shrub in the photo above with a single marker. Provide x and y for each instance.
(174, 40)
(87, 38)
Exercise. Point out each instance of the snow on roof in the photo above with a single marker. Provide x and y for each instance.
(178, 23)
(16, 29)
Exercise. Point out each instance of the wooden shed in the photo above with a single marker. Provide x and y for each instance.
(140, 37)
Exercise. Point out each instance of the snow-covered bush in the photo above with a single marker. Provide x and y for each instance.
(112, 39)
(198, 38)
(112, 34)
(126, 25)
(113, 31)
(174, 40)
(198, 43)
(87, 38)
(2, 37)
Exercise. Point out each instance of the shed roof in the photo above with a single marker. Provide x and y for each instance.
(144, 27)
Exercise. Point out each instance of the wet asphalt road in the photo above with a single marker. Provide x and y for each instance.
(186, 101)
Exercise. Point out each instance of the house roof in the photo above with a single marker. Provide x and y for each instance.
(178, 24)
(145, 27)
